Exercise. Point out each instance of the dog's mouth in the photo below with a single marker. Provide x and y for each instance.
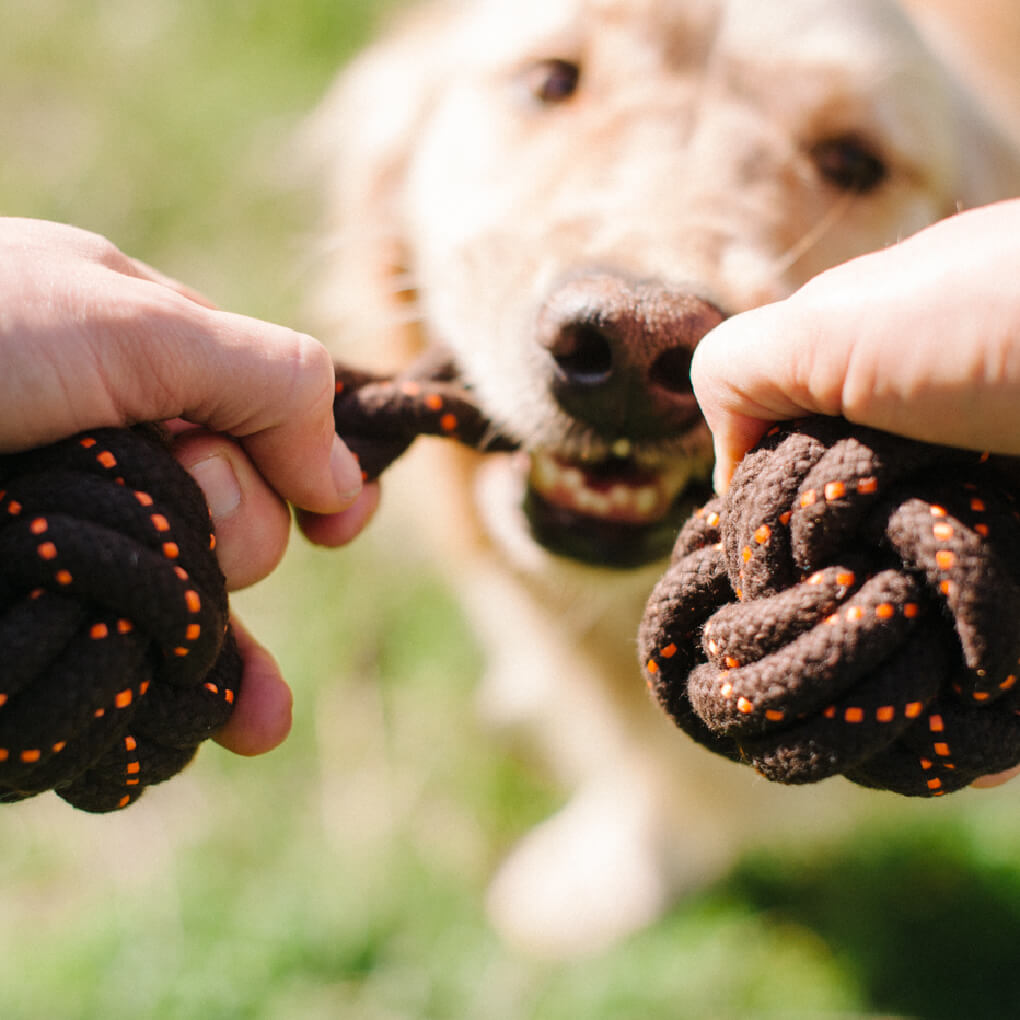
(610, 512)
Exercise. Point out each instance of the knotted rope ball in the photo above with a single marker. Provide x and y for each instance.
(117, 659)
(851, 606)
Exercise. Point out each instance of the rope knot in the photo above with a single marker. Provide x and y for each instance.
(851, 606)
(118, 660)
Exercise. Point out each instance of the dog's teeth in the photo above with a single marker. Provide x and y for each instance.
(620, 497)
(592, 503)
(572, 488)
(545, 474)
(573, 480)
(646, 499)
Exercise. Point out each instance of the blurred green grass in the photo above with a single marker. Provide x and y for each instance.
(343, 875)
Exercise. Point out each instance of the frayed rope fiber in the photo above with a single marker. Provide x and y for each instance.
(852, 606)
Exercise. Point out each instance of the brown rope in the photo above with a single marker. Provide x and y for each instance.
(117, 662)
(117, 657)
(851, 606)
(379, 416)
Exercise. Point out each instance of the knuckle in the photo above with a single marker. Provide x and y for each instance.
(313, 373)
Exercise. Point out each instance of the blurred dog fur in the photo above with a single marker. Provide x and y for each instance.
(979, 40)
(503, 177)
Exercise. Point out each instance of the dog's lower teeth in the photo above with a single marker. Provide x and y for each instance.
(570, 487)
(574, 480)
(619, 497)
(646, 500)
(592, 503)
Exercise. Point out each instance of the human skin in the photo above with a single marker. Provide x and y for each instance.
(921, 339)
(90, 337)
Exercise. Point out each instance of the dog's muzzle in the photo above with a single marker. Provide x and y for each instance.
(620, 356)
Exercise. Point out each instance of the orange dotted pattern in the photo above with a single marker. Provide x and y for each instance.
(108, 576)
(379, 416)
(849, 608)
(113, 617)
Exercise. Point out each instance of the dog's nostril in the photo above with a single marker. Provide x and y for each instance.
(671, 370)
(584, 355)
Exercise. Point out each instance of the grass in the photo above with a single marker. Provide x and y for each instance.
(343, 875)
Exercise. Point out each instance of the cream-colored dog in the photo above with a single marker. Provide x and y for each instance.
(568, 194)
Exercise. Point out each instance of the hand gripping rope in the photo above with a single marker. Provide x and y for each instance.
(850, 607)
(116, 654)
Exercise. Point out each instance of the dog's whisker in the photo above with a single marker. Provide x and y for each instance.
(492, 436)
(814, 236)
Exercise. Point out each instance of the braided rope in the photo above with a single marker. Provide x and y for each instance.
(118, 660)
(118, 655)
(379, 416)
(850, 607)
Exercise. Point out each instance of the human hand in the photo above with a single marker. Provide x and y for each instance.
(90, 337)
(921, 339)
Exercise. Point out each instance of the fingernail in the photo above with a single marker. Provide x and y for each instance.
(346, 472)
(217, 480)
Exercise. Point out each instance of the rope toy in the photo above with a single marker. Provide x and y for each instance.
(851, 606)
(379, 416)
(119, 660)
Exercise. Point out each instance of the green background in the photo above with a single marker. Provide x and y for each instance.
(343, 875)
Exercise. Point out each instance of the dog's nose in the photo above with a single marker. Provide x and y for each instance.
(621, 354)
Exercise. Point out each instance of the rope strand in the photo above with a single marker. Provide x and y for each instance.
(850, 607)
(862, 615)
(113, 618)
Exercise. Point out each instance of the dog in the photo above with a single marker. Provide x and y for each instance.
(568, 195)
(979, 41)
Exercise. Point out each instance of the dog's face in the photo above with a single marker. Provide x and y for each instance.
(586, 187)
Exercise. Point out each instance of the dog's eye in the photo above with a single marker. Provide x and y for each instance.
(553, 81)
(849, 163)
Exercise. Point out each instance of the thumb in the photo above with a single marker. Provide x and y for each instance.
(751, 371)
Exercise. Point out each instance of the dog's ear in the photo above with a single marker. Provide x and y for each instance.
(359, 143)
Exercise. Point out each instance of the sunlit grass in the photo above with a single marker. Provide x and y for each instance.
(343, 876)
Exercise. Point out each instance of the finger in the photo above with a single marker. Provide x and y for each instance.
(135, 267)
(90, 247)
(261, 718)
(114, 348)
(339, 529)
(268, 386)
(252, 523)
(988, 782)
(755, 369)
